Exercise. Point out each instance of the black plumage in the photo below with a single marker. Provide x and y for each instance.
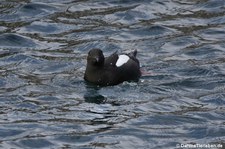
(104, 71)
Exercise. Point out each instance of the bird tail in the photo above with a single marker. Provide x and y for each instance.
(133, 54)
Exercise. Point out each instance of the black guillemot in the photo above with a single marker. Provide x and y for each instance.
(112, 70)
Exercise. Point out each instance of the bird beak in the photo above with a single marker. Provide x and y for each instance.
(97, 59)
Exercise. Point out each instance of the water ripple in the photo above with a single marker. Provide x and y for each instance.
(45, 103)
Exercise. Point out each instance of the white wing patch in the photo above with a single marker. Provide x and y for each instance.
(122, 60)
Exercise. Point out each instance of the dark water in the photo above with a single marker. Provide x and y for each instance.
(45, 103)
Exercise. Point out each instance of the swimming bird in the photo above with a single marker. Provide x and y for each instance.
(112, 70)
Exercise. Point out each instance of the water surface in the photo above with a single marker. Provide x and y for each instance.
(45, 103)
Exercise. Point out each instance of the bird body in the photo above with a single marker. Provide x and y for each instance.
(111, 70)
